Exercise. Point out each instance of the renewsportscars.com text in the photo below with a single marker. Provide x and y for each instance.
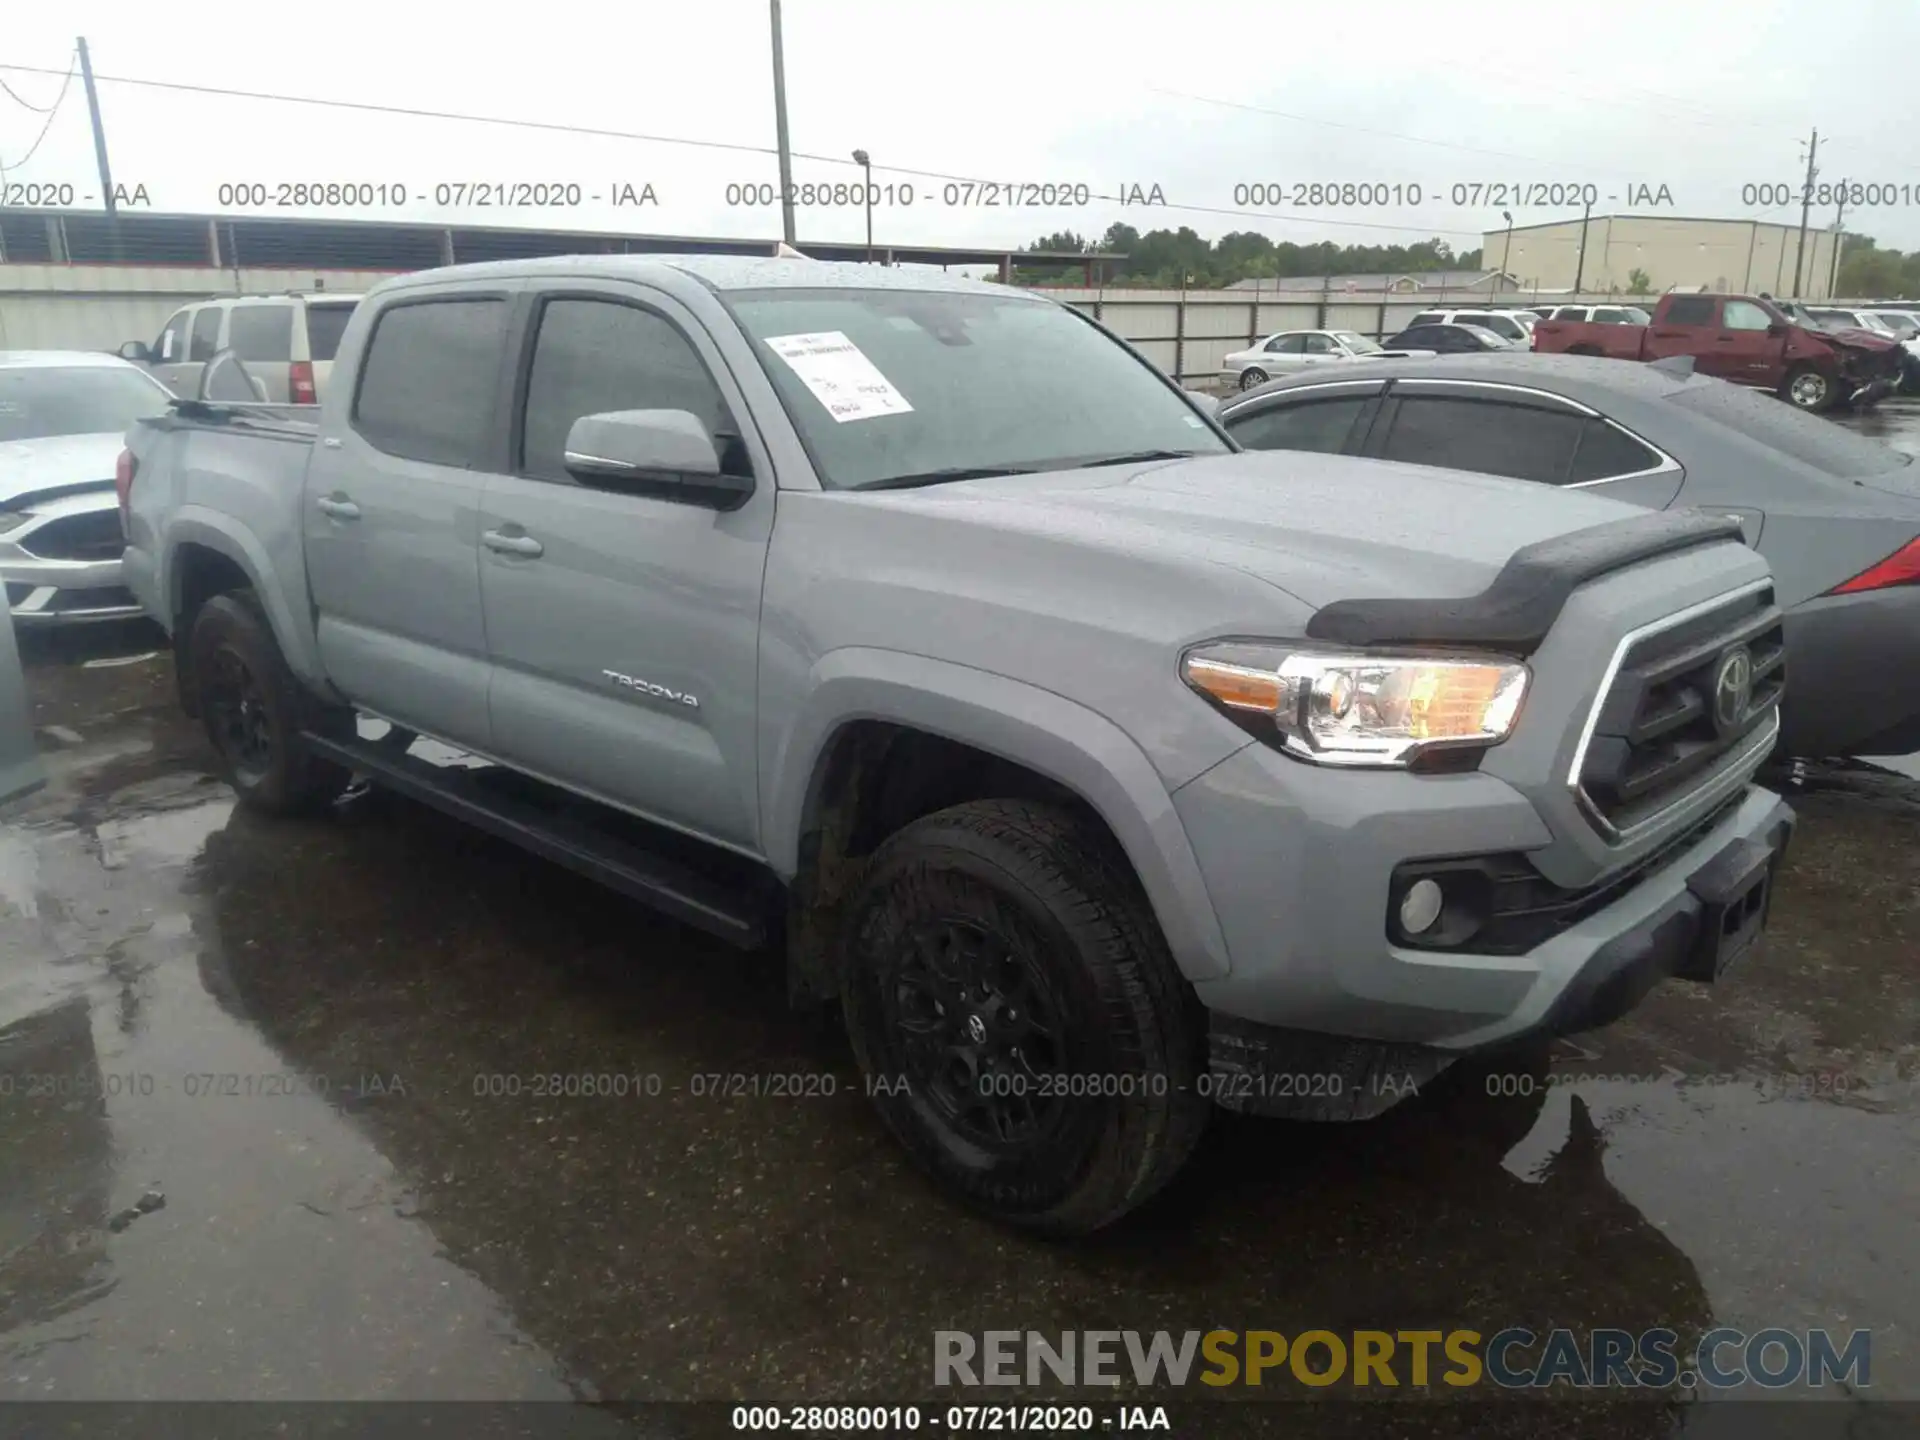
(1514, 1358)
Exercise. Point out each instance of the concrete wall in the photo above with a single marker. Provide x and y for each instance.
(98, 307)
(1740, 255)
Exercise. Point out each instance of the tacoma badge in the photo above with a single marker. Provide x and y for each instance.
(647, 687)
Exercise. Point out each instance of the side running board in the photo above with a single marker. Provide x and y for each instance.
(737, 913)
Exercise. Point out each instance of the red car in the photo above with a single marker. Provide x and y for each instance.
(1748, 339)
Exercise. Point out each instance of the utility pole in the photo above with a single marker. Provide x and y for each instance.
(1839, 236)
(1580, 266)
(780, 126)
(1806, 204)
(99, 143)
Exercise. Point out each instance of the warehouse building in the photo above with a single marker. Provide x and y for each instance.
(1671, 252)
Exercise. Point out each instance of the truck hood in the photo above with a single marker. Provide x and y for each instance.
(1320, 527)
(60, 464)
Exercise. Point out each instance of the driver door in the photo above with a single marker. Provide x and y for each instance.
(624, 626)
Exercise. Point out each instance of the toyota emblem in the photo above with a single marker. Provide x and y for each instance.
(1732, 689)
(976, 1029)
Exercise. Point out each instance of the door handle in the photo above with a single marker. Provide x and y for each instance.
(512, 544)
(338, 509)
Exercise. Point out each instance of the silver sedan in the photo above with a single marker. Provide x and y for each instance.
(1293, 352)
(62, 418)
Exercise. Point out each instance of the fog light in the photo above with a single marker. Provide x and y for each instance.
(1420, 906)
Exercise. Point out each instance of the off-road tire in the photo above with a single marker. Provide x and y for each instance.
(284, 777)
(1059, 897)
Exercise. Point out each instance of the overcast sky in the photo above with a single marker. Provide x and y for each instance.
(1110, 95)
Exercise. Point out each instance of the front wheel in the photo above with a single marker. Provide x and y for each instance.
(1806, 388)
(254, 710)
(1251, 377)
(1020, 1022)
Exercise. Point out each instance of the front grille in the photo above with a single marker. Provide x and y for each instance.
(94, 535)
(1665, 729)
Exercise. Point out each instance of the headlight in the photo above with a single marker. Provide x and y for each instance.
(1359, 709)
(12, 520)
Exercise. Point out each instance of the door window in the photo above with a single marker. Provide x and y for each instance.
(1689, 310)
(1491, 437)
(1744, 315)
(593, 356)
(206, 333)
(1607, 452)
(171, 347)
(427, 387)
(1321, 345)
(1286, 344)
(261, 332)
(1318, 425)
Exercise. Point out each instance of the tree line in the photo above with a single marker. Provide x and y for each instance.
(1169, 259)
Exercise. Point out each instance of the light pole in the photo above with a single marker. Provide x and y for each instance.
(1580, 266)
(865, 162)
(1506, 251)
(780, 126)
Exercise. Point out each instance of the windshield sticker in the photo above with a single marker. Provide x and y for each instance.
(840, 375)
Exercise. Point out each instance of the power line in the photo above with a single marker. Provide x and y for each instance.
(26, 103)
(1369, 130)
(50, 112)
(556, 127)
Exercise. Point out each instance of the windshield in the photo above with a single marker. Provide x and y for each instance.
(1358, 344)
(41, 401)
(925, 383)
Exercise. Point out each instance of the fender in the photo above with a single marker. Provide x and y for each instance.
(1022, 723)
(198, 525)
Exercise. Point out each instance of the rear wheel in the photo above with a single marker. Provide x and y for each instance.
(254, 710)
(1022, 1026)
(1251, 377)
(1806, 388)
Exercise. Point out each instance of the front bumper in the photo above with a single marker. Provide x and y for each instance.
(54, 569)
(1305, 921)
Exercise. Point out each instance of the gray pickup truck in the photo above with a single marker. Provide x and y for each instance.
(1099, 771)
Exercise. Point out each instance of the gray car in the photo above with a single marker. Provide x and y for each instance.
(62, 418)
(1837, 515)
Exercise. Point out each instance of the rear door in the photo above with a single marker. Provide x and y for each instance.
(1690, 326)
(1523, 435)
(391, 511)
(624, 625)
(1284, 354)
(260, 332)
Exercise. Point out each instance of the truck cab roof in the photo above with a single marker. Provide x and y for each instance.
(715, 272)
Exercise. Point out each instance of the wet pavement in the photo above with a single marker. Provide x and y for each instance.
(254, 1141)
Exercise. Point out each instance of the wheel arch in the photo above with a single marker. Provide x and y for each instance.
(209, 554)
(862, 704)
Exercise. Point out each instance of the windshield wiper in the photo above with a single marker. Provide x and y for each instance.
(941, 477)
(1135, 457)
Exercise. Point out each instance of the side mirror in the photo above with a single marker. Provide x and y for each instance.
(670, 451)
(136, 351)
(1776, 329)
(1208, 403)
